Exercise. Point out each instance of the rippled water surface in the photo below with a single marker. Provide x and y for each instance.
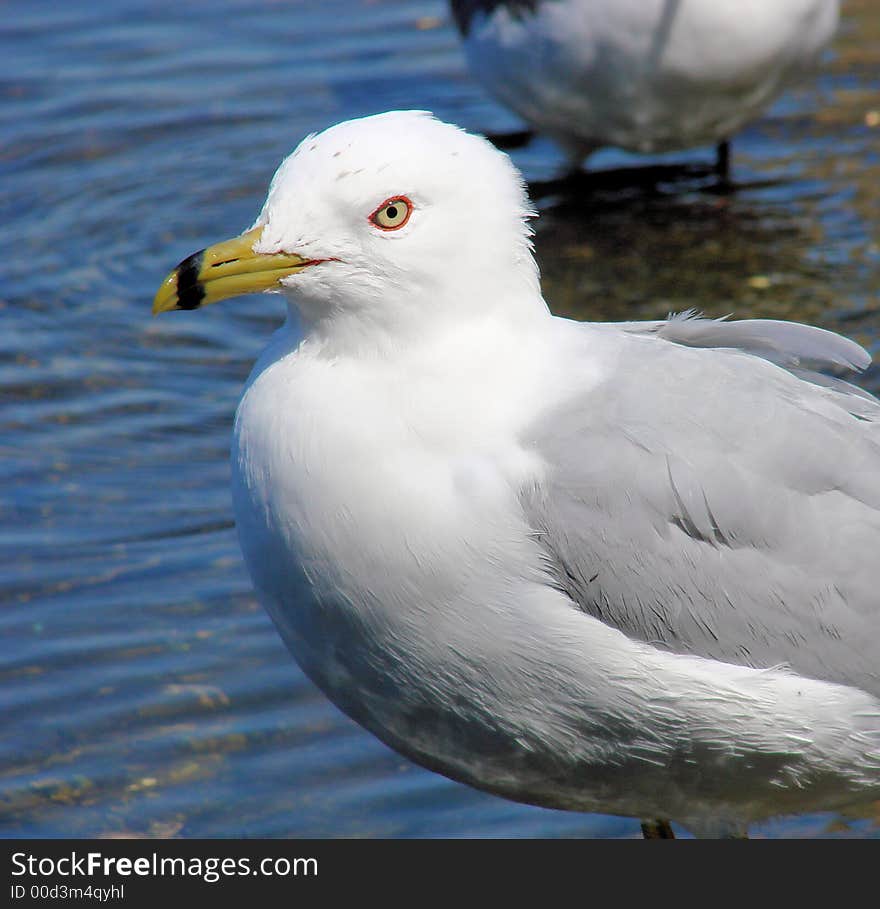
(142, 689)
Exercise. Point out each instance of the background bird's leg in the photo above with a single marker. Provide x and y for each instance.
(722, 160)
(657, 830)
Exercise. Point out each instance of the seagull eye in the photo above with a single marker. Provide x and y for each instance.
(392, 214)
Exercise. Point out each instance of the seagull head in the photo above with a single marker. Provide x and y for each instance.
(388, 220)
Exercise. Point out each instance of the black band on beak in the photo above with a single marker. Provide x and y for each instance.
(190, 291)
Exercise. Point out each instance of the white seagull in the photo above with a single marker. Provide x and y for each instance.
(644, 75)
(630, 568)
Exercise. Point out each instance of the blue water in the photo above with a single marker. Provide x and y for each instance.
(142, 689)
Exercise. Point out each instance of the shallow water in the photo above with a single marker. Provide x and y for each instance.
(142, 689)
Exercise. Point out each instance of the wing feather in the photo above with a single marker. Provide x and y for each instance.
(710, 502)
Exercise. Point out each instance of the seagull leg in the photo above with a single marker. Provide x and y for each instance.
(657, 830)
(722, 161)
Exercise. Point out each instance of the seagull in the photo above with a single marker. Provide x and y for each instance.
(627, 568)
(646, 76)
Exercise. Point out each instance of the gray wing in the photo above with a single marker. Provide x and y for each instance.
(788, 344)
(707, 501)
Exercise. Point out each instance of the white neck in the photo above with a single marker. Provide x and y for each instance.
(382, 328)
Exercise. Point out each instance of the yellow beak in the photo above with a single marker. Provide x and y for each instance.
(226, 269)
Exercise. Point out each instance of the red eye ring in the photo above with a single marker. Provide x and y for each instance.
(391, 220)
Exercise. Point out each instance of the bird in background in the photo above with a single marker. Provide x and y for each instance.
(647, 76)
(627, 568)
